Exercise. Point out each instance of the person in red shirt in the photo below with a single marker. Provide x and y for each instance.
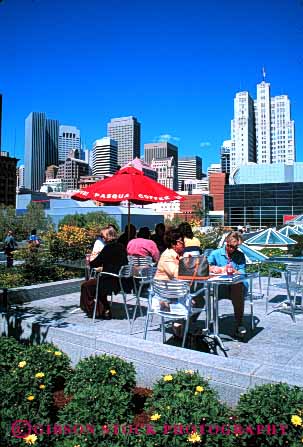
(143, 245)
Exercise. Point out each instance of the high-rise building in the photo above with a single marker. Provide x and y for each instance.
(69, 139)
(127, 132)
(262, 131)
(105, 157)
(71, 171)
(8, 179)
(20, 180)
(226, 149)
(51, 142)
(34, 154)
(189, 168)
(243, 131)
(167, 172)
(163, 151)
(156, 151)
(41, 147)
(282, 131)
(89, 157)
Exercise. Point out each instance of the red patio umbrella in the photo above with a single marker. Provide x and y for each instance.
(128, 184)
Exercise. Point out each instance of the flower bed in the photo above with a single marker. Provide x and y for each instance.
(97, 404)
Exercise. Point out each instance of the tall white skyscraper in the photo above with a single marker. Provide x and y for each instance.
(126, 131)
(21, 177)
(262, 130)
(282, 131)
(189, 168)
(105, 157)
(69, 139)
(243, 131)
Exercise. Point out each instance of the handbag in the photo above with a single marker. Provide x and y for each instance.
(193, 267)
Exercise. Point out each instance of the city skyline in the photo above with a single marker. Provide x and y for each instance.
(175, 67)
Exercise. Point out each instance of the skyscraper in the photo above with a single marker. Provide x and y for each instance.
(51, 142)
(41, 148)
(156, 151)
(189, 168)
(243, 131)
(166, 170)
(34, 154)
(264, 133)
(163, 151)
(127, 132)
(105, 157)
(69, 139)
(226, 149)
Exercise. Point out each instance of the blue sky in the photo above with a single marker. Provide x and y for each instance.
(175, 65)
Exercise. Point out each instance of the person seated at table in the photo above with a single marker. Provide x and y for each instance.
(191, 243)
(218, 261)
(168, 269)
(143, 246)
(158, 237)
(125, 237)
(110, 259)
(98, 245)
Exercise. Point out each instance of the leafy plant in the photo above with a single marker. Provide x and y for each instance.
(10, 351)
(101, 389)
(70, 242)
(211, 238)
(272, 252)
(104, 370)
(90, 221)
(26, 390)
(181, 405)
(276, 404)
(296, 250)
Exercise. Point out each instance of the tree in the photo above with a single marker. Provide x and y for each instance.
(35, 218)
(91, 221)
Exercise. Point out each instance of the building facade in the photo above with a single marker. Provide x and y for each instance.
(262, 130)
(262, 205)
(34, 154)
(69, 139)
(167, 172)
(51, 142)
(126, 131)
(71, 171)
(8, 180)
(189, 168)
(243, 131)
(267, 173)
(226, 149)
(216, 190)
(105, 157)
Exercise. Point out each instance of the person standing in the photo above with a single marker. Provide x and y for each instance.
(10, 245)
(33, 240)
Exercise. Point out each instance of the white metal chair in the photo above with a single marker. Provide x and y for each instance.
(125, 272)
(143, 279)
(179, 304)
(293, 284)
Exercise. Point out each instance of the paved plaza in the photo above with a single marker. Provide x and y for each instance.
(273, 352)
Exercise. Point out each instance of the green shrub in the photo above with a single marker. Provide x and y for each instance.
(26, 390)
(103, 370)
(296, 250)
(101, 396)
(94, 220)
(271, 404)
(272, 252)
(266, 268)
(10, 353)
(182, 403)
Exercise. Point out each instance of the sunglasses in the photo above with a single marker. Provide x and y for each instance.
(234, 247)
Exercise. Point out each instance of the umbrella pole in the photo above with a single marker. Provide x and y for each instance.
(128, 220)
